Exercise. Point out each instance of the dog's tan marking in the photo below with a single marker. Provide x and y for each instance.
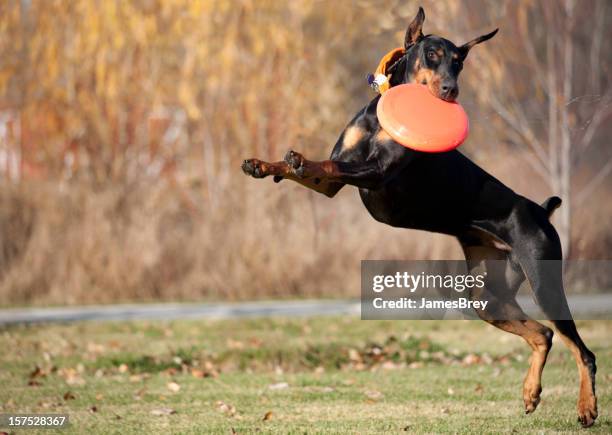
(440, 52)
(382, 136)
(352, 136)
(430, 78)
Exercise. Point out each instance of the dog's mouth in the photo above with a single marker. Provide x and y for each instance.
(445, 93)
(449, 95)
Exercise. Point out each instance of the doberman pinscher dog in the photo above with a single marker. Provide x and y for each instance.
(490, 221)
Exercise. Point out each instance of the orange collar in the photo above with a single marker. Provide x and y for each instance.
(381, 77)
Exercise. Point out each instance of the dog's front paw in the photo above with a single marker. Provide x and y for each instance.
(296, 162)
(255, 168)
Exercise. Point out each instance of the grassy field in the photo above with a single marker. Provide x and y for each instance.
(317, 375)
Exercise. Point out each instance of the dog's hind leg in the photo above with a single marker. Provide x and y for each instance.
(538, 251)
(503, 279)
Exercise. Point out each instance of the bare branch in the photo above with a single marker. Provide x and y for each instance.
(519, 127)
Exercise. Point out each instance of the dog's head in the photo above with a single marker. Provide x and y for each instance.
(432, 60)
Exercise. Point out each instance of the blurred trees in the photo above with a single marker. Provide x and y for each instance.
(123, 125)
(551, 85)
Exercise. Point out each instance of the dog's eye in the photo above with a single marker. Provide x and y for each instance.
(431, 55)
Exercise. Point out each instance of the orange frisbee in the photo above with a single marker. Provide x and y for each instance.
(416, 119)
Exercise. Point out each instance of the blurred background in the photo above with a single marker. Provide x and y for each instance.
(123, 125)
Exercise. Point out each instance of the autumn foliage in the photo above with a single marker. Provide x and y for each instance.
(123, 125)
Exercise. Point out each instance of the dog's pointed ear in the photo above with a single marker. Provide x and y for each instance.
(415, 29)
(465, 48)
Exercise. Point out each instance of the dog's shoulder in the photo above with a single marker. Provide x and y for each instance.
(356, 138)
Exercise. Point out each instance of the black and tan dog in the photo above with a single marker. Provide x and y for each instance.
(460, 199)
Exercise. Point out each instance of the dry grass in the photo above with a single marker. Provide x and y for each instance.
(115, 210)
(81, 245)
(116, 377)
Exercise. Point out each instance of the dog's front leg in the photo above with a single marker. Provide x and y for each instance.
(370, 174)
(283, 170)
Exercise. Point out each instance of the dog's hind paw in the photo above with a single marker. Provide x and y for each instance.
(531, 397)
(531, 404)
(587, 411)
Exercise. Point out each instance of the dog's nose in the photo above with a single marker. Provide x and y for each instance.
(449, 91)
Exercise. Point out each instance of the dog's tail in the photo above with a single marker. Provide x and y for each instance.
(551, 204)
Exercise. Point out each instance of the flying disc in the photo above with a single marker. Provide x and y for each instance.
(412, 116)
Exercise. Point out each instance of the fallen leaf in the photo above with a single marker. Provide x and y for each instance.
(255, 342)
(114, 344)
(389, 365)
(373, 394)
(136, 378)
(69, 395)
(471, 359)
(173, 386)
(354, 355)
(235, 344)
(450, 391)
(33, 383)
(226, 408)
(163, 411)
(71, 376)
(123, 368)
(37, 373)
(267, 416)
(197, 373)
(93, 408)
(210, 370)
(138, 395)
(95, 348)
(278, 386)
